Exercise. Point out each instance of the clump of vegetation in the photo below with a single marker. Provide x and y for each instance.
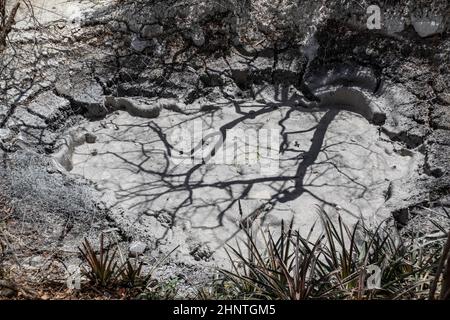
(443, 270)
(131, 275)
(286, 270)
(103, 271)
(161, 291)
(336, 265)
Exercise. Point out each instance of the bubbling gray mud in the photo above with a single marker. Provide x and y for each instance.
(333, 155)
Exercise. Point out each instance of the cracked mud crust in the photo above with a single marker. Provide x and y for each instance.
(94, 95)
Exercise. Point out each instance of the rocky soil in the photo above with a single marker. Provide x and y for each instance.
(96, 97)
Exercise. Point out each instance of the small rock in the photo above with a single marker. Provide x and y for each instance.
(198, 37)
(137, 248)
(45, 297)
(152, 31)
(117, 26)
(200, 252)
(5, 134)
(37, 260)
(139, 45)
(90, 138)
(7, 289)
(427, 26)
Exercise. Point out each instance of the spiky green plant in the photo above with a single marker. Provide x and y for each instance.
(332, 267)
(155, 290)
(130, 275)
(443, 270)
(281, 268)
(102, 269)
(349, 252)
